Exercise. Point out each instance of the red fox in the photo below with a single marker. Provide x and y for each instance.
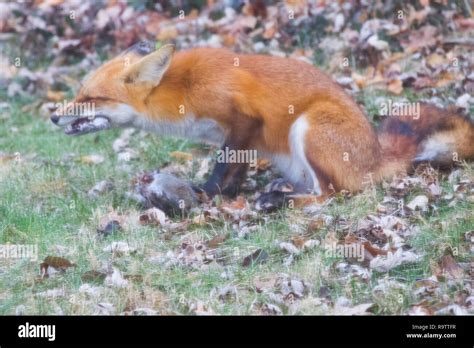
(286, 109)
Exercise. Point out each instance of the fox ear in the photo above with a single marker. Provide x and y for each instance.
(151, 68)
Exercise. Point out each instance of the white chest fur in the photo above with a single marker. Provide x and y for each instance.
(295, 166)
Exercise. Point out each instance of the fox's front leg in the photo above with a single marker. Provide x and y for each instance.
(226, 177)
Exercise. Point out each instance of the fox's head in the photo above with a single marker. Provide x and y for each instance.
(115, 93)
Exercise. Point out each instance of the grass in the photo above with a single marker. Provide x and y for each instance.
(44, 201)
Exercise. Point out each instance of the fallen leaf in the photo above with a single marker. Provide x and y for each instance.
(217, 240)
(238, 209)
(436, 60)
(314, 226)
(153, 216)
(298, 241)
(418, 203)
(395, 86)
(291, 288)
(58, 263)
(259, 256)
(289, 248)
(420, 310)
(227, 293)
(116, 280)
(93, 276)
(384, 263)
(450, 267)
(119, 248)
(136, 278)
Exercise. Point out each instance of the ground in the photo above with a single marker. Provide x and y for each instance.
(45, 202)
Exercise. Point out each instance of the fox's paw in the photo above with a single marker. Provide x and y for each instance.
(281, 185)
(211, 188)
(231, 190)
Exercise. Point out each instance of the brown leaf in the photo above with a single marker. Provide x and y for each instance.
(395, 86)
(153, 216)
(314, 226)
(351, 238)
(259, 256)
(239, 209)
(174, 227)
(381, 209)
(374, 251)
(93, 276)
(425, 286)
(264, 283)
(217, 240)
(298, 241)
(289, 248)
(58, 262)
(201, 219)
(238, 204)
(436, 60)
(136, 278)
(450, 267)
(181, 156)
(421, 310)
(370, 251)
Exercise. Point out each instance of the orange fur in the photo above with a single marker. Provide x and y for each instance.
(256, 99)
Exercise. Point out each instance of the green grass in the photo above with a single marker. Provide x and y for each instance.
(43, 201)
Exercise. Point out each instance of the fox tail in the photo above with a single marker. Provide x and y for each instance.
(439, 136)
